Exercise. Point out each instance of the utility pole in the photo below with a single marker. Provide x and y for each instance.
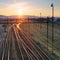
(52, 25)
(40, 23)
(47, 32)
(40, 15)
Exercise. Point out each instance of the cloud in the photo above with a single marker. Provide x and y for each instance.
(16, 6)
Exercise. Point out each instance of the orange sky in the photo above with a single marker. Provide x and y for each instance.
(28, 8)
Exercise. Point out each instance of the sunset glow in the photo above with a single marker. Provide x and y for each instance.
(20, 12)
(29, 7)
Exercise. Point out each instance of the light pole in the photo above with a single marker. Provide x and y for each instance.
(52, 25)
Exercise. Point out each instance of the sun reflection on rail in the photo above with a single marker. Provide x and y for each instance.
(18, 25)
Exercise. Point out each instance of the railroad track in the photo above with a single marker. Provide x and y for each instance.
(5, 49)
(29, 44)
(19, 46)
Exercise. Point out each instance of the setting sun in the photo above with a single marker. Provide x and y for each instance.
(20, 12)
